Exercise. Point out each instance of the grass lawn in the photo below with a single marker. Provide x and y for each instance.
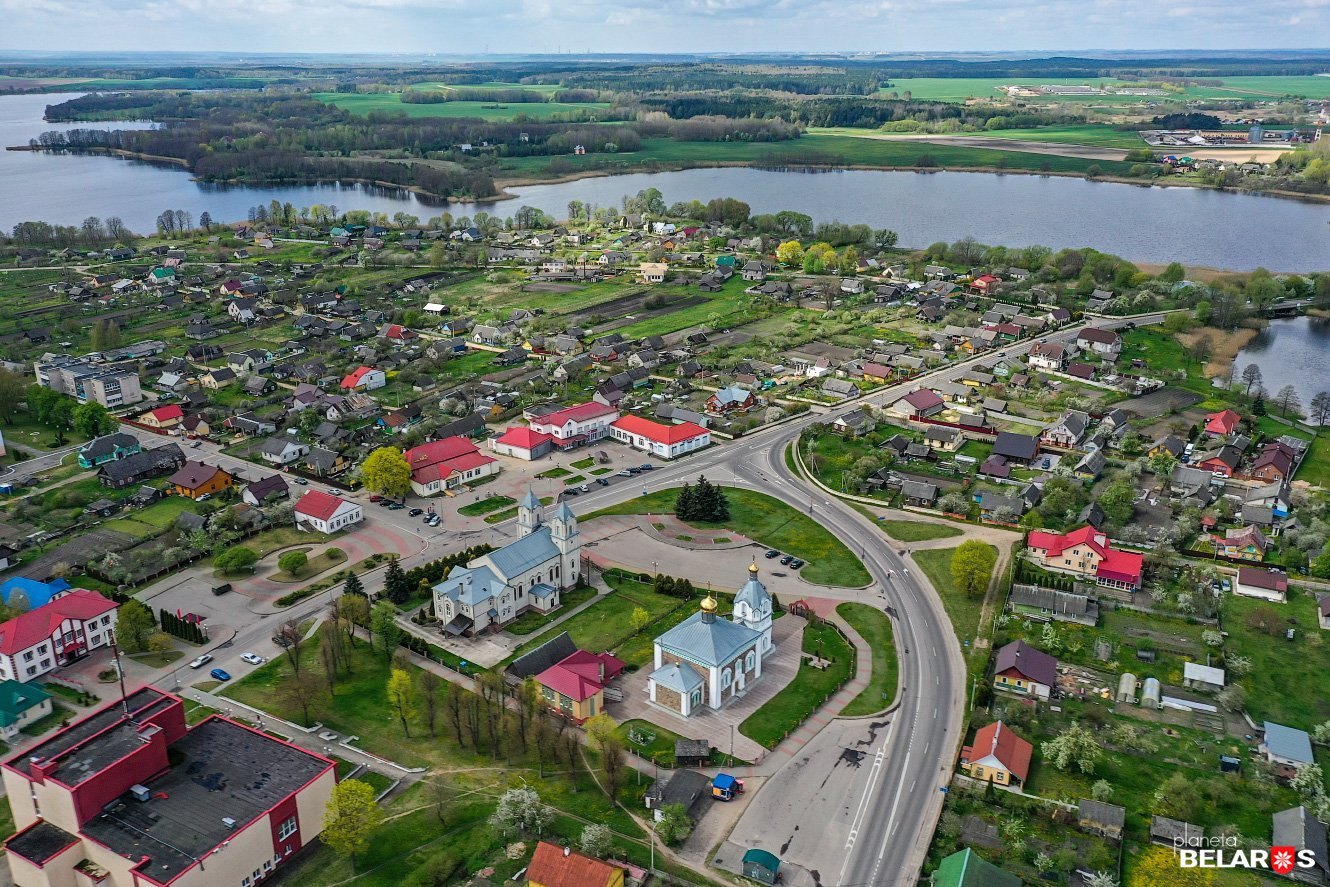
(533, 620)
(660, 744)
(606, 624)
(772, 523)
(962, 610)
(555, 472)
(162, 514)
(875, 628)
(582, 464)
(499, 517)
(917, 531)
(1316, 466)
(324, 560)
(268, 541)
(1280, 666)
(485, 506)
(157, 660)
(58, 716)
(811, 687)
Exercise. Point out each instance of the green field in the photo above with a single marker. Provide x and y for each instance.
(1093, 134)
(962, 610)
(812, 149)
(875, 628)
(392, 103)
(1279, 664)
(917, 531)
(1315, 468)
(782, 715)
(771, 522)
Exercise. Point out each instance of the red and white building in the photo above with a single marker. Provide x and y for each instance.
(130, 796)
(1086, 553)
(325, 513)
(1222, 423)
(522, 443)
(448, 463)
(168, 416)
(577, 425)
(665, 441)
(364, 379)
(55, 634)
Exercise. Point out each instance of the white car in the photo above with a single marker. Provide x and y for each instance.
(201, 661)
(253, 658)
(334, 491)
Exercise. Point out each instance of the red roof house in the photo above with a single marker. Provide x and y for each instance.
(325, 512)
(522, 443)
(984, 283)
(553, 866)
(400, 335)
(574, 686)
(997, 755)
(666, 441)
(1086, 552)
(76, 616)
(1223, 423)
(446, 463)
(163, 417)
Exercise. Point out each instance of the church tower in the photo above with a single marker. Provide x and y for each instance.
(568, 539)
(529, 514)
(752, 608)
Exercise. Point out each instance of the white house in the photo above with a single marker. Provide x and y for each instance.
(365, 379)
(665, 441)
(55, 635)
(326, 513)
(1262, 583)
(580, 424)
(1105, 343)
(283, 450)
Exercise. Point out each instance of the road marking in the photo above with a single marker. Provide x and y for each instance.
(891, 817)
(874, 772)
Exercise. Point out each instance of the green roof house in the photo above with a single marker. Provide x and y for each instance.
(968, 869)
(761, 866)
(20, 705)
(725, 262)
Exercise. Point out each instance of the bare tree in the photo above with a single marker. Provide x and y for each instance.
(329, 664)
(613, 762)
(1320, 408)
(298, 691)
(571, 748)
(292, 640)
(429, 683)
(1287, 398)
(1251, 375)
(442, 794)
(452, 703)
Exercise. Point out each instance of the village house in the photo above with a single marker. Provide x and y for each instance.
(1104, 343)
(1020, 668)
(364, 379)
(1048, 355)
(108, 448)
(1086, 553)
(1067, 431)
(282, 450)
(1244, 543)
(164, 417)
(997, 755)
(1259, 582)
(258, 492)
(574, 687)
(447, 464)
(730, 399)
(325, 513)
(1288, 749)
(917, 404)
(1222, 423)
(196, 480)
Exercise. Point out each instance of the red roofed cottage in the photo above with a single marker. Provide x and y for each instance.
(665, 441)
(326, 513)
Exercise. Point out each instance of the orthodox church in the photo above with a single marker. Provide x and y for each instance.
(706, 660)
(528, 573)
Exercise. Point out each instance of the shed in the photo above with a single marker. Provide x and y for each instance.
(1150, 696)
(1202, 677)
(761, 865)
(1229, 764)
(692, 752)
(1127, 688)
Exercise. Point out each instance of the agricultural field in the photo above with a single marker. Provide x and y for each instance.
(959, 89)
(391, 103)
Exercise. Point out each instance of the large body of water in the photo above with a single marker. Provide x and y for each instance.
(1290, 351)
(1144, 224)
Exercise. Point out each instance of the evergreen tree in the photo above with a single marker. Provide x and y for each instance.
(684, 589)
(395, 584)
(1258, 406)
(685, 507)
(353, 584)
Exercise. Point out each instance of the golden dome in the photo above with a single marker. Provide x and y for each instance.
(752, 568)
(708, 604)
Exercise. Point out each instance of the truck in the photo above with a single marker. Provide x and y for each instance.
(725, 787)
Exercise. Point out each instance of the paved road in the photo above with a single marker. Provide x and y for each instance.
(859, 818)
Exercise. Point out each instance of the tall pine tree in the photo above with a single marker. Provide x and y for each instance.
(685, 507)
(395, 584)
(353, 584)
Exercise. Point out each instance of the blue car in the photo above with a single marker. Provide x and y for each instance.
(220, 674)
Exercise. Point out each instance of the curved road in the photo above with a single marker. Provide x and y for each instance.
(858, 804)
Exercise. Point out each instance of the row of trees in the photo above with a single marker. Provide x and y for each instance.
(703, 502)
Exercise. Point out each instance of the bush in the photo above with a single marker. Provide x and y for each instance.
(292, 562)
(235, 559)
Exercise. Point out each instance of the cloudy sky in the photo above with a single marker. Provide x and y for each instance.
(519, 26)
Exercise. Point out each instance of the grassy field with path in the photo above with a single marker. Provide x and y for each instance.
(918, 531)
(962, 610)
(783, 714)
(875, 628)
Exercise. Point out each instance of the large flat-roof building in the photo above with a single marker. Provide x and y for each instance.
(129, 796)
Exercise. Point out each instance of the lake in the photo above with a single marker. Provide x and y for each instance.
(1145, 224)
(1290, 351)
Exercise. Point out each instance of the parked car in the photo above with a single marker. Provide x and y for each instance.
(602, 481)
(415, 511)
(384, 503)
(300, 481)
(221, 589)
(1226, 585)
(786, 561)
(625, 473)
(584, 489)
(796, 564)
(195, 444)
(220, 674)
(335, 491)
(253, 658)
(200, 661)
(646, 466)
(771, 552)
(281, 640)
(375, 497)
(205, 497)
(395, 506)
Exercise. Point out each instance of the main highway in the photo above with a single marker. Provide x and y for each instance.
(856, 806)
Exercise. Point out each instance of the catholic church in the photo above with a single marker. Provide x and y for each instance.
(527, 573)
(706, 660)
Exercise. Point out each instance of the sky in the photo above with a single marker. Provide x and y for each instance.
(529, 26)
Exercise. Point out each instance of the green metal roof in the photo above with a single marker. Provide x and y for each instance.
(16, 698)
(763, 858)
(968, 869)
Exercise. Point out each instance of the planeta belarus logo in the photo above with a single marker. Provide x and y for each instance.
(1283, 859)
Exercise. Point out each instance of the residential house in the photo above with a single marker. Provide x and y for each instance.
(325, 513)
(21, 705)
(218, 379)
(165, 417)
(364, 379)
(918, 493)
(653, 272)
(1275, 463)
(397, 334)
(574, 687)
(1222, 423)
(198, 479)
(943, 438)
(854, 423)
(839, 389)
(195, 425)
(1288, 749)
(1067, 431)
(965, 868)
(282, 450)
(1020, 668)
(119, 473)
(1246, 543)
(1169, 444)
(918, 404)
(108, 448)
(1298, 827)
(731, 399)
(250, 425)
(1258, 582)
(1013, 447)
(260, 491)
(1104, 343)
(754, 270)
(323, 462)
(554, 866)
(997, 755)
(1048, 356)
(1086, 553)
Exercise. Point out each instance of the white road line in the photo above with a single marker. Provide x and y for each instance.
(863, 802)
